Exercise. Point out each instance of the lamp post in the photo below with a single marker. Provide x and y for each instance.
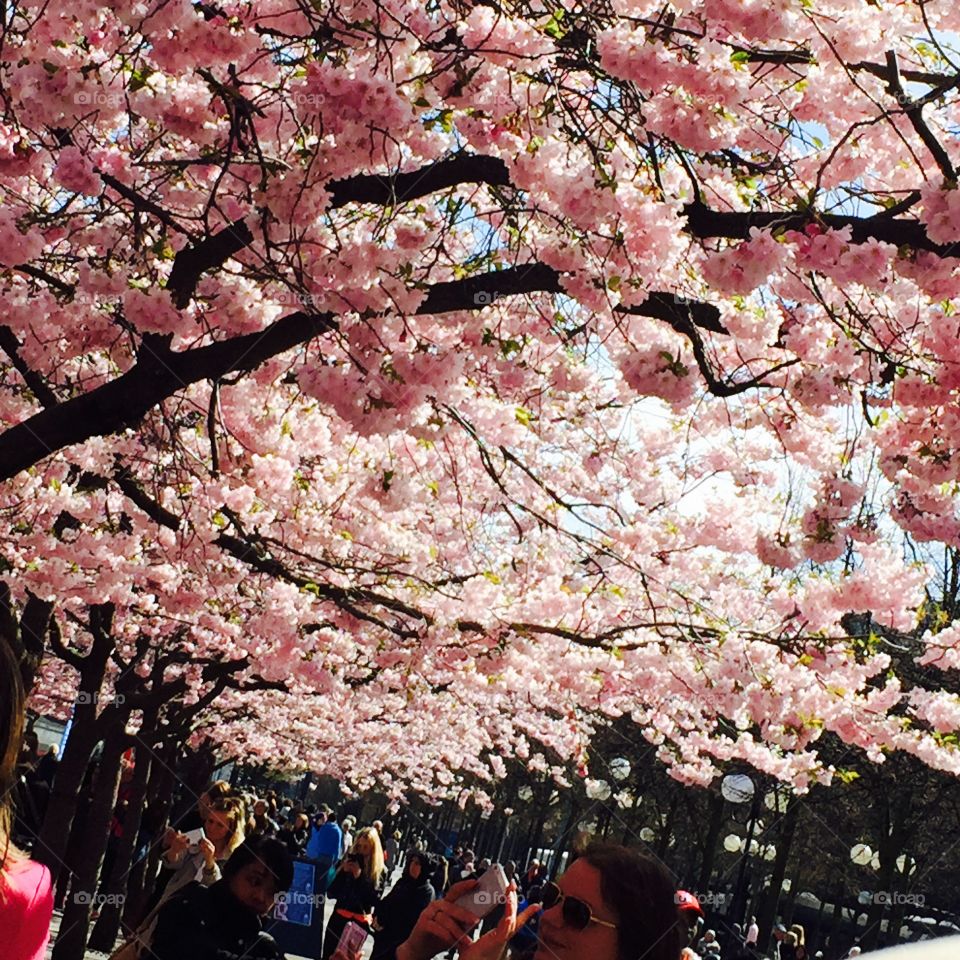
(738, 788)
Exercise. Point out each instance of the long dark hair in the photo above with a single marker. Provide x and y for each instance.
(426, 868)
(12, 700)
(641, 894)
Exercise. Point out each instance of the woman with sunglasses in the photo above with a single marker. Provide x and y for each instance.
(611, 904)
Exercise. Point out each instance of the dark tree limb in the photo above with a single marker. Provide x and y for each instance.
(914, 111)
(159, 372)
(703, 222)
(37, 384)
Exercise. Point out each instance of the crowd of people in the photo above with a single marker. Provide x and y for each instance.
(227, 863)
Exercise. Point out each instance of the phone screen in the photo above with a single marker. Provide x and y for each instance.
(488, 894)
(351, 939)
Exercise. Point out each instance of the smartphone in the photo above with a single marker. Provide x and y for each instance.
(489, 893)
(193, 839)
(351, 940)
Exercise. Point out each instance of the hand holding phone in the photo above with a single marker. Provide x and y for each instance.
(350, 943)
(193, 839)
(490, 892)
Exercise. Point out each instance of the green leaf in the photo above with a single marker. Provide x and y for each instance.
(138, 79)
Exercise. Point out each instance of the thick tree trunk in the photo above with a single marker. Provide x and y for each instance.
(51, 845)
(160, 792)
(663, 840)
(835, 919)
(711, 841)
(768, 910)
(72, 941)
(115, 889)
(794, 893)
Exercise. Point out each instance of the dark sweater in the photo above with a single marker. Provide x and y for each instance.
(209, 923)
(398, 913)
(354, 894)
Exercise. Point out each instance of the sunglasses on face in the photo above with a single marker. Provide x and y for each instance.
(576, 913)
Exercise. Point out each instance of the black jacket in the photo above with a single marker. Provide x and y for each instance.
(355, 894)
(209, 923)
(398, 913)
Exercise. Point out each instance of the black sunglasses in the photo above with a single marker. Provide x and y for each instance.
(576, 913)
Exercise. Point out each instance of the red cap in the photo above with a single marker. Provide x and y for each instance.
(687, 901)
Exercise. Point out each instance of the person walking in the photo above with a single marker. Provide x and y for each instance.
(391, 850)
(324, 847)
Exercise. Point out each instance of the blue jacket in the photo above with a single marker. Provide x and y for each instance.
(325, 842)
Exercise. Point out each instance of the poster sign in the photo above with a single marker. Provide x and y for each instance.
(296, 922)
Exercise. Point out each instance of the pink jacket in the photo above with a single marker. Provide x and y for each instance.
(26, 907)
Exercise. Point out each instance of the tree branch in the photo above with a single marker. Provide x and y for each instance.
(159, 372)
(914, 111)
(38, 386)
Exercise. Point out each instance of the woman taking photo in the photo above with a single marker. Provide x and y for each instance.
(399, 911)
(611, 904)
(223, 834)
(26, 895)
(356, 887)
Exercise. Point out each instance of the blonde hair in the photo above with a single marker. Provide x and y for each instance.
(797, 931)
(236, 817)
(373, 865)
(218, 790)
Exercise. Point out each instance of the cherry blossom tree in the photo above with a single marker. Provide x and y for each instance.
(482, 371)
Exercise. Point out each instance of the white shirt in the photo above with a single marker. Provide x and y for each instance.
(753, 933)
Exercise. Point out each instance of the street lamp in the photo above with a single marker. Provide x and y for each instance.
(861, 854)
(738, 788)
(906, 865)
(598, 790)
(620, 769)
(732, 843)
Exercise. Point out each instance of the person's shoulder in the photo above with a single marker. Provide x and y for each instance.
(189, 897)
(30, 881)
